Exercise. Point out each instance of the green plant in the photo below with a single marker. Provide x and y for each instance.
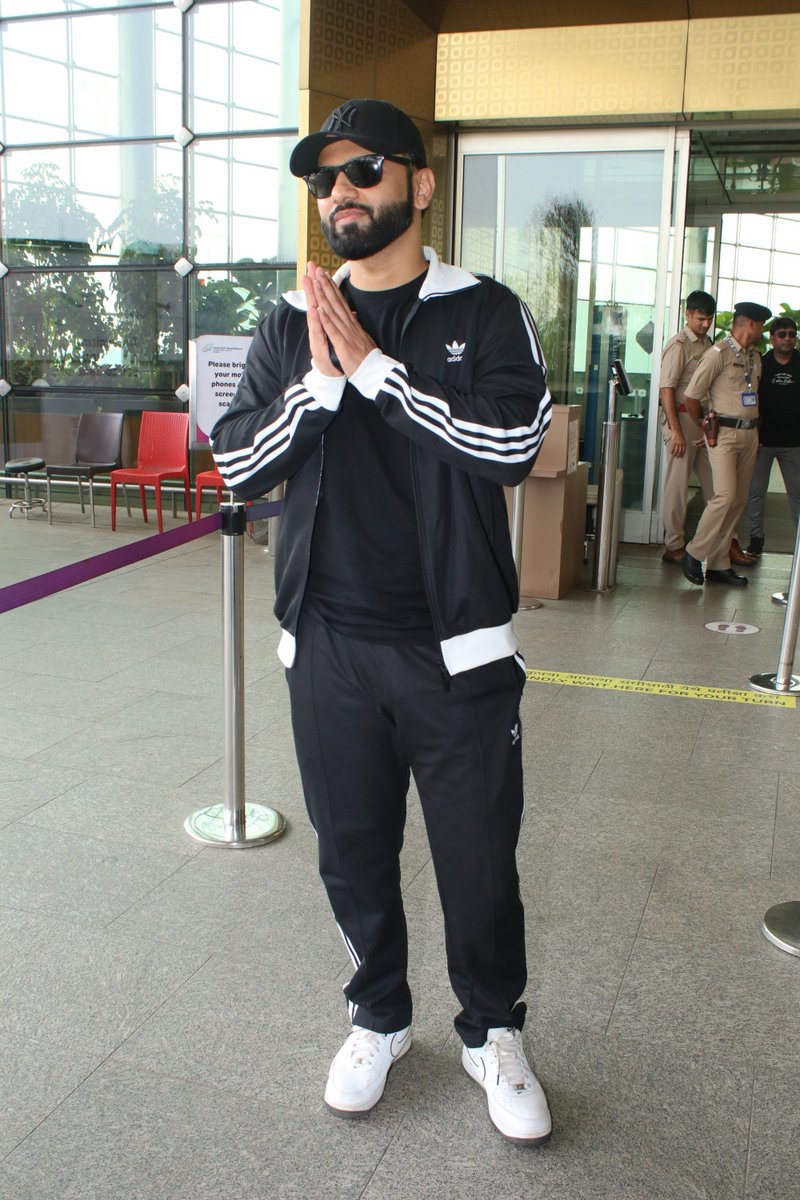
(58, 317)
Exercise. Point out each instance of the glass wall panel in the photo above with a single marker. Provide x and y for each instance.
(243, 199)
(109, 329)
(96, 75)
(576, 234)
(107, 202)
(243, 66)
(233, 302)
(95, 199)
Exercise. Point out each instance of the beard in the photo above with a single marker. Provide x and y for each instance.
(357, 242)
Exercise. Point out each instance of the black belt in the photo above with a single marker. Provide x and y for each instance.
(735, 423)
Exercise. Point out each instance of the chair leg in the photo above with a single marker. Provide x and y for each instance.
(142, 499)
(80, 494)
(199, 503)
(159, 512)
(113, 505)
(127, 498)
(187, 493)
(91, 500)
(49, 503)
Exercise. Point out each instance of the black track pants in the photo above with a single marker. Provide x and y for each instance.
(363, 715)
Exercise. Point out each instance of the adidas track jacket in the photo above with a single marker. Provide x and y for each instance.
(470, 395)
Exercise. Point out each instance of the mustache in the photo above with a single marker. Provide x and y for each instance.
(340, 208)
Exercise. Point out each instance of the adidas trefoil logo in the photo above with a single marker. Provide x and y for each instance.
(515, 734)
(455, 351)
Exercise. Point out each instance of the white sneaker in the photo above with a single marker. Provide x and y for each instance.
(517, 1103)
(358, 1072)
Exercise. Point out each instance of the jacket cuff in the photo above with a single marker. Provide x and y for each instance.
(327, 390)
(370, 376)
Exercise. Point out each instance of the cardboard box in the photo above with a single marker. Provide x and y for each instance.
(553, 532)
(559, 452)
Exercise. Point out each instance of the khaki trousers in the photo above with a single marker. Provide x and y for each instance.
(676, 481)
(732, 461)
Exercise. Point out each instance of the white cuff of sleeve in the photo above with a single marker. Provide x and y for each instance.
(326, 389)
(370, 376)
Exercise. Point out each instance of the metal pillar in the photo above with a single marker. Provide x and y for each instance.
(783, 680)
(604, 571)
(234, 823)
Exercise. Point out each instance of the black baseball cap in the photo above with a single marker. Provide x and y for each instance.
(374, 124)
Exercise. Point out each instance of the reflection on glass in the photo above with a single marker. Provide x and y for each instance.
(580, 245)
(243, 59)
(45, 223)
(105, 328)
(235, 301)
(118, 199)
(243, 200)
(96, 75)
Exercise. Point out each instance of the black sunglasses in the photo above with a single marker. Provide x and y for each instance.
(790, 333)
(363, 172)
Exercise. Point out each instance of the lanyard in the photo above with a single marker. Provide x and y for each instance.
(746, 370)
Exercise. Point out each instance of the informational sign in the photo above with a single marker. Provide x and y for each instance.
(216, 362)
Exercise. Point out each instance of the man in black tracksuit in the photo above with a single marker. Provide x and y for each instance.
(395, 399)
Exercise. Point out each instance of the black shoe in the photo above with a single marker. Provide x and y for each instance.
(756, 547)
(730, 577)
(693, 569)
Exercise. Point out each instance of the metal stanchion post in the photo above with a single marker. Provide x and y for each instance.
(602, 580)
(781, 924)
(234, 823)
(783, 680)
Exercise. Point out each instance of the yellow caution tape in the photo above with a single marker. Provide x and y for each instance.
(652, 688)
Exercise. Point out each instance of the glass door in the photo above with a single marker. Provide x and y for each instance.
(579, 224)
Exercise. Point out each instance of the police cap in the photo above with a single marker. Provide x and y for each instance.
(753, 312)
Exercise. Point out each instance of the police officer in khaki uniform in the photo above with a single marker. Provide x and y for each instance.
(727, 379)
(679, 360)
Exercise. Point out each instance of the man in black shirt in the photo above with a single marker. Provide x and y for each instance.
(779, 428)
(396, 398)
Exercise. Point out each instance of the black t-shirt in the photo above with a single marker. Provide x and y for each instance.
(779, 401)
(365, 577)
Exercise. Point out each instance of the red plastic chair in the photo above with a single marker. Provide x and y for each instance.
(208, 479)
(163, 453)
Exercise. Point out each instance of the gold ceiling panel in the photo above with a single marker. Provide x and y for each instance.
(570, 72)
(740, 64)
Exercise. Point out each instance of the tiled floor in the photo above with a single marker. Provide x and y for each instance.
(168, 1012)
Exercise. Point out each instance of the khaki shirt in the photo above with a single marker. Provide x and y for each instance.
(720, 380)
(679, 360)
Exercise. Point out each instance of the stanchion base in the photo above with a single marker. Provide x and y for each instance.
(781, 925)
(261, 825)
(780, 597)
(528, 602)
(768, 683)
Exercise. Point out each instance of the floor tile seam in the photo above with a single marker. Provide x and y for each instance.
(634, 940)
(97, 1067)
(749, 1141)
(377, 1165)
(775, 826)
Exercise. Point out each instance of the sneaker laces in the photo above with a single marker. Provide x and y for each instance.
(364, 1046)
(513, 1068)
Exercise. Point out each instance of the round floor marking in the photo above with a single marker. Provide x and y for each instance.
(685, 691)
(731, 627)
